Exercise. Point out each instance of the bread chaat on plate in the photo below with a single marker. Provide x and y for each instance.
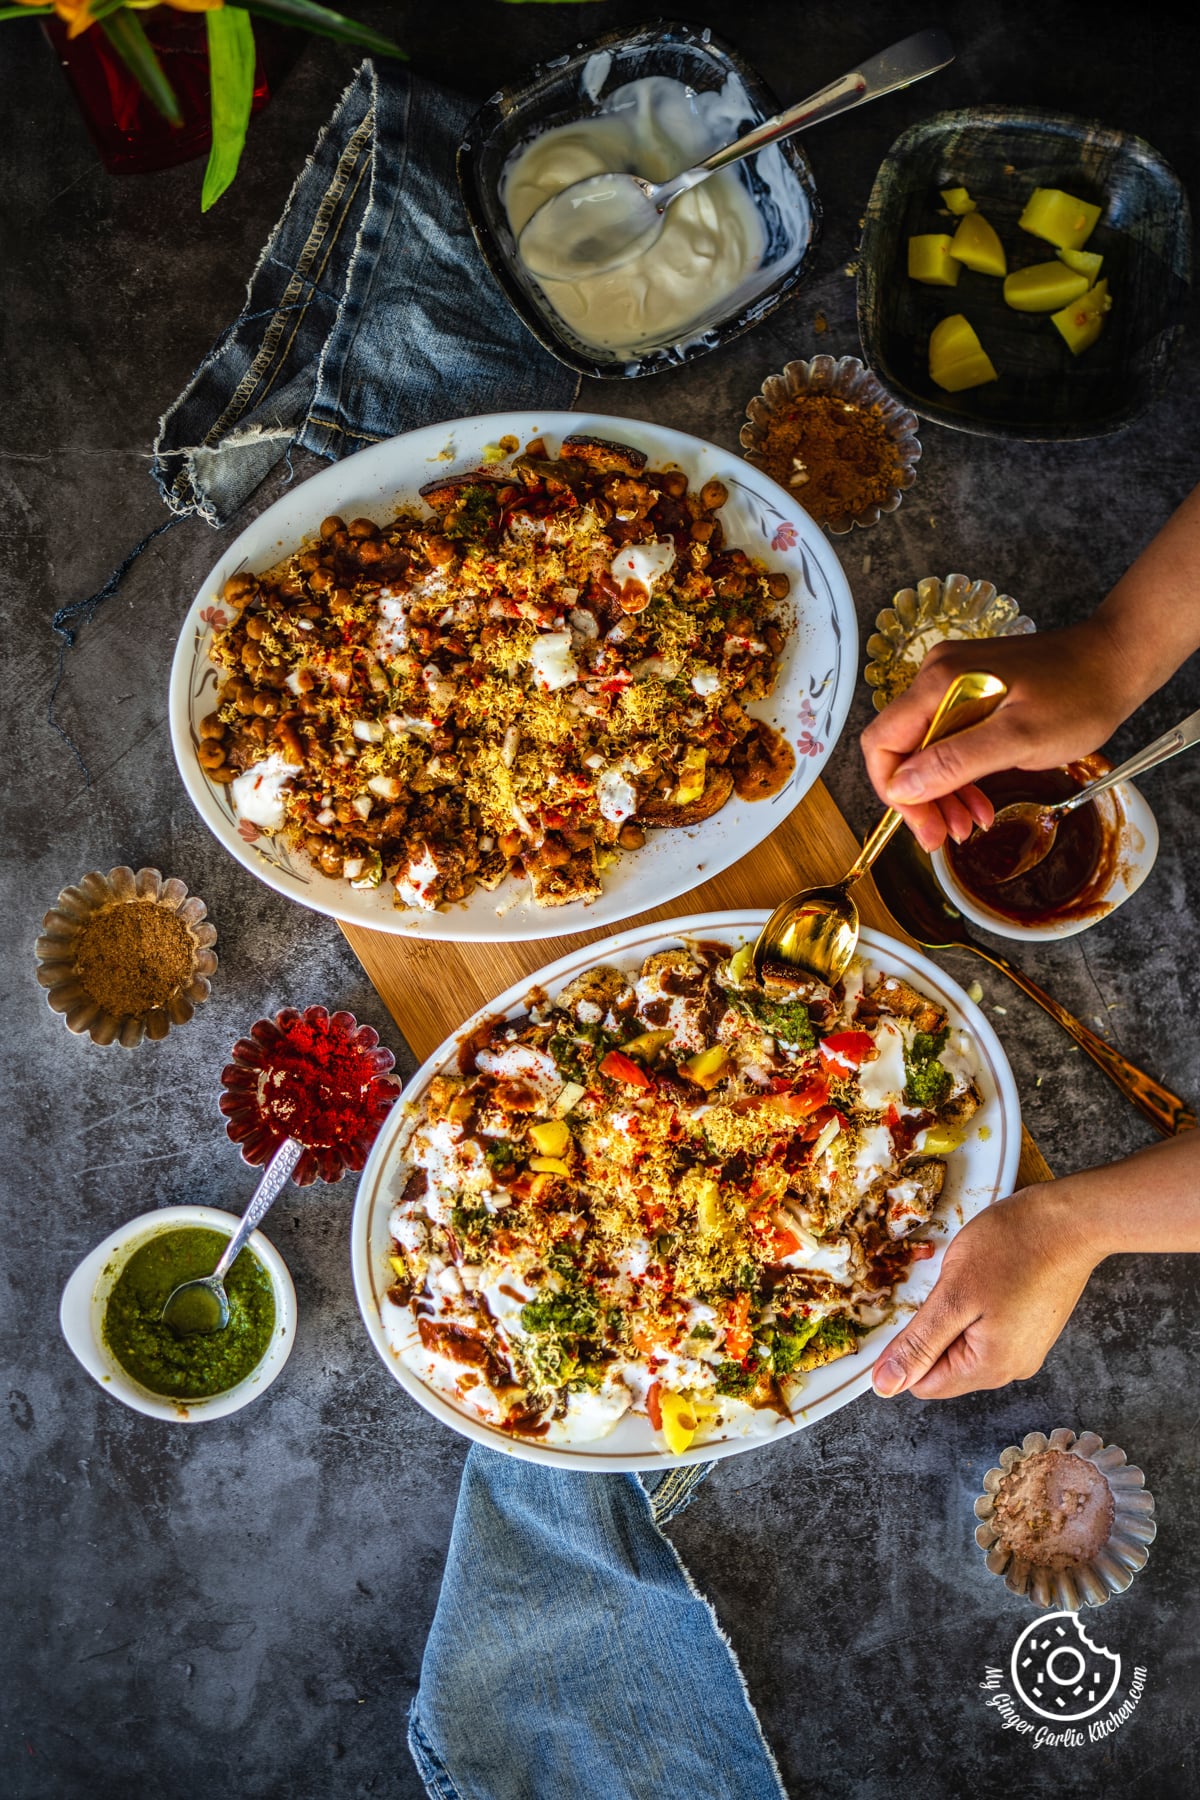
(555, 659)
(672, 1189)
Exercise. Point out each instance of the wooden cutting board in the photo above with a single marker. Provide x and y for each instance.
(429, 988)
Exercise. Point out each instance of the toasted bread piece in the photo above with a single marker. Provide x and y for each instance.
(718, 785)
(960, 1108)
(912, 1195)
(566, 883)
(603, 454)
(603, 988)
(820, 1351)
(448, 490)
(900, 1001)
(540, 472)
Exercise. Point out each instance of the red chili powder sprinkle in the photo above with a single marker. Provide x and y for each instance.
(320, 1087)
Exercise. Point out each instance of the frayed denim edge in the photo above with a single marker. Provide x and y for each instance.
(675, 1491)
(430, 1768)
(192, 498)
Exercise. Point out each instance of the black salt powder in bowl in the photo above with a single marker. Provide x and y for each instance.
(1066, 1521)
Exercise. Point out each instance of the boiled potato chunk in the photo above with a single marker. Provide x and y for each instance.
(976, 245)
(957, 200)
(929, 260)
(1060, 218)
(1044, 287)
(957, 359)
(1084, 262)
(1083, 320)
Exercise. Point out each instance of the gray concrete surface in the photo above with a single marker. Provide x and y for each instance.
(240, 1609)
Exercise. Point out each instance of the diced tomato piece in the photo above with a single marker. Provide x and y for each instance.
(654, 1214)
(851, 1046)
(653, 1409)
(920, 1252)
(739, 1340)
(619, 1067)
(805, 1100)
(786, 1241)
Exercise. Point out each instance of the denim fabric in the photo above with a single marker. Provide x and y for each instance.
(370, 312)
(571, 1658)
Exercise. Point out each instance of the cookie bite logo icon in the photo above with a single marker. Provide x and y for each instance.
(1063, 1689)
(1060, 1673)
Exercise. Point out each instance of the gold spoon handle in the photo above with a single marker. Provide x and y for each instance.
(968, 700)
(1164, 1109)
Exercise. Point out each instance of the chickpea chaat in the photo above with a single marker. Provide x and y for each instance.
(671, 1191)
(556, 661)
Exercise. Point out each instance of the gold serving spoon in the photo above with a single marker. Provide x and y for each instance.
(909, 889)
(1031, 828)
(816, 931)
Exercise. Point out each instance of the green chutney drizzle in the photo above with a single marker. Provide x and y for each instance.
(196, 1367)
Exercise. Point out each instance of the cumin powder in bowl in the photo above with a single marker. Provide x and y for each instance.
(125, 956)
(831, 434)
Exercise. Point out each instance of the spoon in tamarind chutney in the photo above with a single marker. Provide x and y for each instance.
(1023, 834)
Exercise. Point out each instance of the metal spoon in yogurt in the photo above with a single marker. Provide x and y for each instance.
(201, 1307)
(606, 219)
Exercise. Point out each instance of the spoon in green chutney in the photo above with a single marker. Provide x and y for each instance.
(201, 1307)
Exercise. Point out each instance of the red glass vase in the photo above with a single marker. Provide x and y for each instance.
(127, 129)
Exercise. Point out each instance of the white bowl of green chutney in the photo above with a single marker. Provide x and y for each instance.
(110, 1306)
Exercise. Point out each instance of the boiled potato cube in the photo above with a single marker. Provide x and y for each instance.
(1083, 320)
(552, 1138)
(957, 201)
(1044, 287)
(976, 245)
(1084, 262)
(957, 359)
(1060, 218)
(929, 260)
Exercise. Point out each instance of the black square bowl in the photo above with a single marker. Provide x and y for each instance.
(574, 86)
(1001, 154)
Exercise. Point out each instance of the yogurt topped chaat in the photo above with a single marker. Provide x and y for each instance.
(672, 1191)
(554, 660)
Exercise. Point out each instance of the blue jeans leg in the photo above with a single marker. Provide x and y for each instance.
(571, 1658)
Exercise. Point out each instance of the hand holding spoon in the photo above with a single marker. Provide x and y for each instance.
(1028, 829)
(202, 1306)
(816, 931)
(606, 219)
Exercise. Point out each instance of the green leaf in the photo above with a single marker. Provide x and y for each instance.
(124, 32)
(319, 19)
(24, 12)
(231, 81)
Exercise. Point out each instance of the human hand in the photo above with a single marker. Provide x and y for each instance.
(1065, 698)
(1009, 1283)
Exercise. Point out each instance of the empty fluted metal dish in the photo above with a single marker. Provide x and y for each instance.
(936, 611)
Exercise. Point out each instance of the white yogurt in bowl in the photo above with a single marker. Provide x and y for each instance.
(721, 245)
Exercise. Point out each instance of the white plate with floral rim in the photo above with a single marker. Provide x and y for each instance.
(983, 1170)
(809, 705)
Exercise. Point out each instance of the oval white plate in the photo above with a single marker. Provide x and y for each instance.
(984, 1170)
(1136, 854)
(81, 1315)
(809, 705)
